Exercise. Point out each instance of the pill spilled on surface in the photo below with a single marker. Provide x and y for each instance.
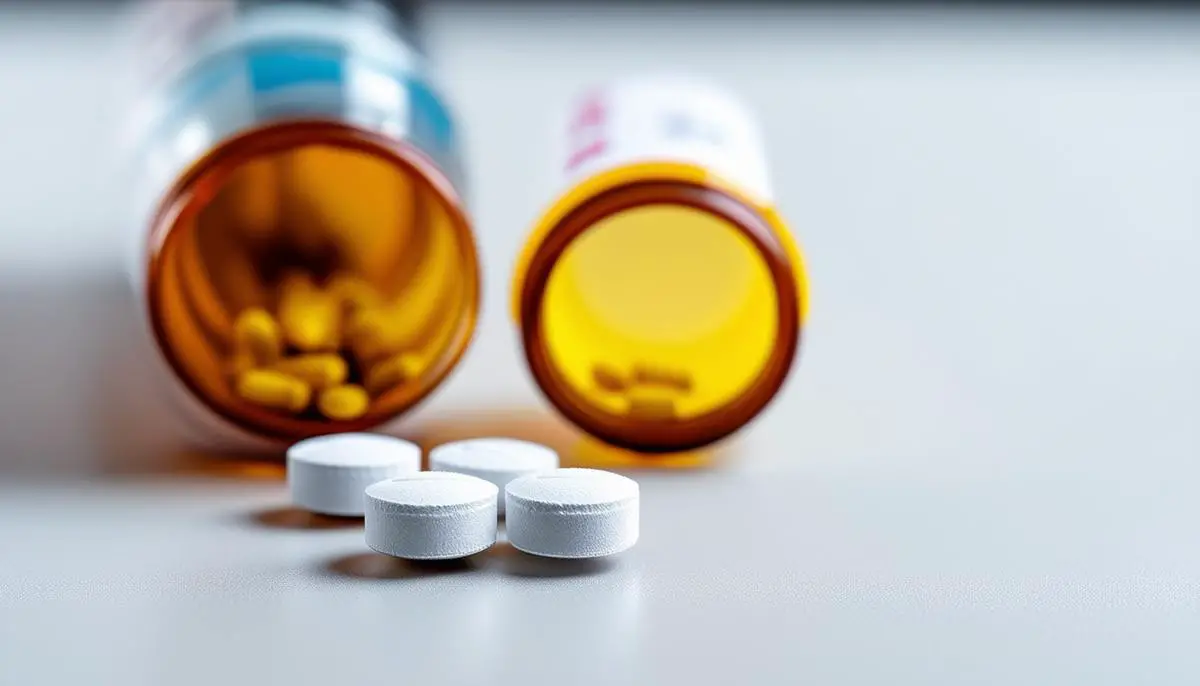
(572, 513)
(328, 474)
(431, 516)
(498, 460)
(451, 512)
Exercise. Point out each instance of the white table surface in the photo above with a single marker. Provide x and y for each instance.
(737, 579)
(982, 472)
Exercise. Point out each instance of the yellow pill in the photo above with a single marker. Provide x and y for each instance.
(256, 334)
(366, 334)
(318, 370)
(391, 372)
(296, 281)
(651, 403)
(352, 292)
(608, 378)
(274, 389)
(241, 362)
(659, 376)
(375, 332)
(343, 402)
(310, 319)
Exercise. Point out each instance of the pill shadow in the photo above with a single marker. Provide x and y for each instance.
(508, 560)
(377, 566)
(296, 519)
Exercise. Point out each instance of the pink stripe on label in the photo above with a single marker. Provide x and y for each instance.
(587, 130)
(585, 153)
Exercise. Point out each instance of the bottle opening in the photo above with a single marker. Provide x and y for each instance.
(310, 277)
(660, 307)
(664, 324)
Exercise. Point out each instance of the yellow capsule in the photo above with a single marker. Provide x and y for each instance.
(408, 321)
(318, 370)
(256, 334)
(391, 372)
(274, 389)
(241, 362)
(310, 318)
(649, 375)
(352, 292)
(343, 402)
(651, 403)
(296, 281)
(608, 378)
(367, 334)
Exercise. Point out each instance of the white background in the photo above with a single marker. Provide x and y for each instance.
(999, 210)
(983, 470)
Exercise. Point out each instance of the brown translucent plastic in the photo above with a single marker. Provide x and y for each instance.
(751, 370)
(322, 200)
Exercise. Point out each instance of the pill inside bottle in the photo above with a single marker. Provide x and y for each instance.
(254, 254)
(660, 297)
(308, 269)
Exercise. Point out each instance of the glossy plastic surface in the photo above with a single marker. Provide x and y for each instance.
(334, 204)
(660, 315)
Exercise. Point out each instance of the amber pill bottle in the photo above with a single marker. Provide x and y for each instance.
(660, 298)
(302, 252)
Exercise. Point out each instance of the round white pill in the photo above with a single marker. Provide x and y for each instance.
(431, 515)
(498, 460)
(572, 513)
(327, 474)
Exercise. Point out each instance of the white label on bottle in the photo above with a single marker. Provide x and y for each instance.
(665, 119)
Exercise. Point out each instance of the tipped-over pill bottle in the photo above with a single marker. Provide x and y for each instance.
(302, 252)
(660, 297)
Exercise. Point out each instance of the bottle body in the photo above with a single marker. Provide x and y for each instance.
(661, 297)
(302, 251)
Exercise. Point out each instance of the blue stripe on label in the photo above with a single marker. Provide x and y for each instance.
(431, 119)
(278, 79)
(207, 81)
(273, 69)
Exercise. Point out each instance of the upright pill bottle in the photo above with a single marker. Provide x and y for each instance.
(301, 250)
(660, 297)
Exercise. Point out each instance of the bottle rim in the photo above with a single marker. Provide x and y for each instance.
(680, 434)
(197, 186)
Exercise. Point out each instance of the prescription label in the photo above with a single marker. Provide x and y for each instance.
(236, 68)
(665, 119)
